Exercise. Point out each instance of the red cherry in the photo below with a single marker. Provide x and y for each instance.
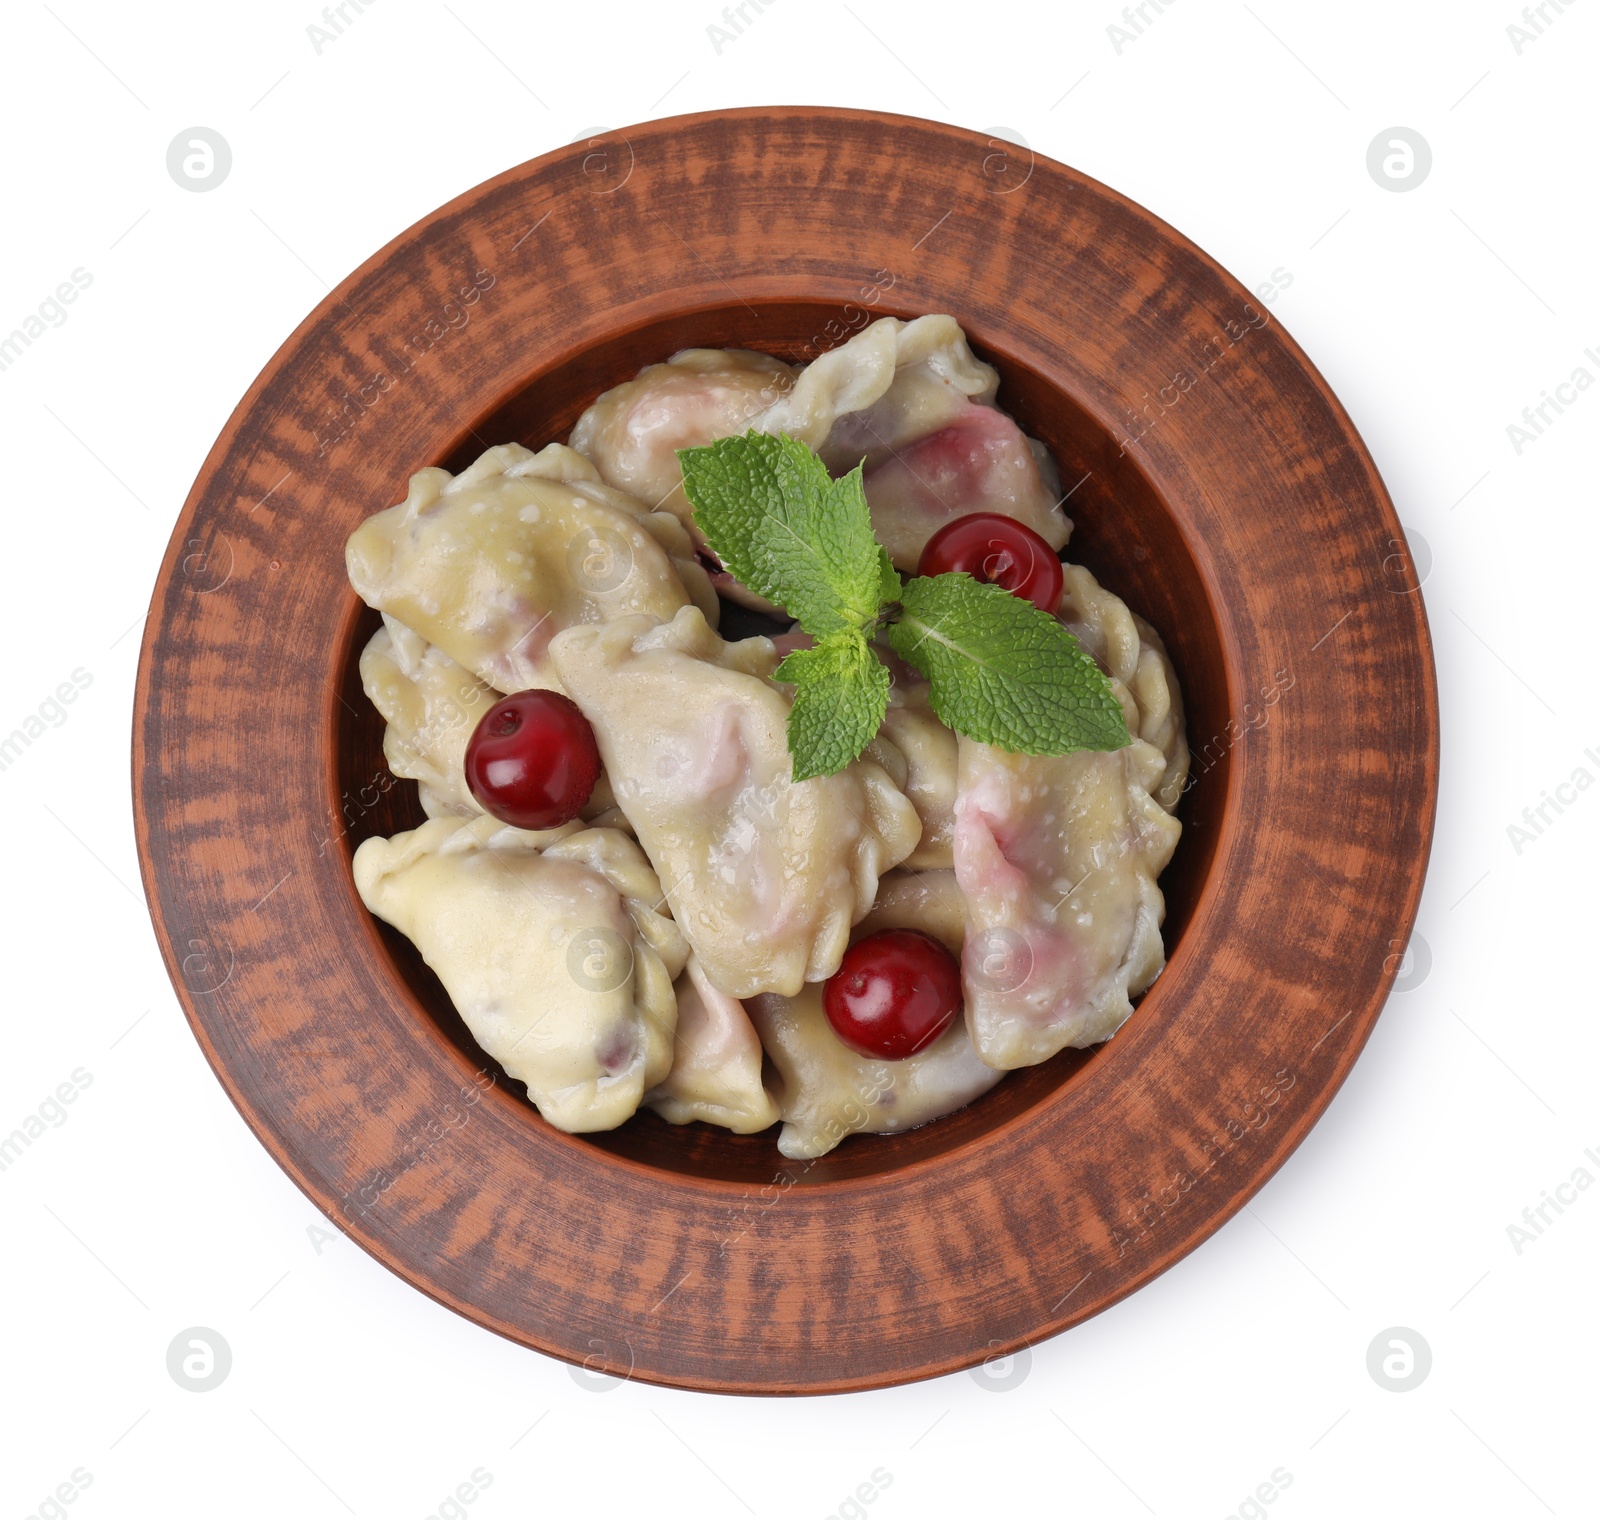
(992, 547)
(532, 760)
(894, 994)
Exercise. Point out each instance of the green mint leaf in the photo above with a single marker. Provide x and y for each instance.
(1002, 671)
(841, 690)
(889, 583)
(778, 523)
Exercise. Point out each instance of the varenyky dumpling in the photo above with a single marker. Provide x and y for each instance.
(700, 394)
(891, 383)
(826, 1090)
(552, 948)
(430, 706)
(929, 752)
(764, 874)
(716, 1065)
(911, 400)
(1130, 651)
(1058, 857)
(489, 564)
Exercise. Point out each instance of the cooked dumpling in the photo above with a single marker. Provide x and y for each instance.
(552, 948)
(979, 461)
(765, 875)
(1130, 651)
(489, 564)
(910, 400)
(431, 706)
(716, 1065)
(699, 395)
(1058, 858)
(893, 382)
(929, 751)
(826, 1090)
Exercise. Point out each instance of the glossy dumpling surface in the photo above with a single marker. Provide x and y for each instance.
(1058, 858)
(430, 706)
(910, 400)
(765, 875)
(552, 949)
(699, 395)
(716, 1064)
(929, 752)
(489, 564)
(826, 1090)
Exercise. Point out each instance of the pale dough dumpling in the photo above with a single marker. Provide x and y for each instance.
(911, 401)
(929, 751)
(633, 431)
(827, 1091)
(716, 1065)
(431, 706)
(892, 382)
(490, 563)
(765, 875)
(1130, 651)
(1058, 858)
(908, 398)
(552, 948)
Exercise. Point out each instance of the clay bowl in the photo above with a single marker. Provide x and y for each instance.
(1218, 487)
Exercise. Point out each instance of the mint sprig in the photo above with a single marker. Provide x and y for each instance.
(841, 690)
(1003, 671)
(791, 533)
(999, 669)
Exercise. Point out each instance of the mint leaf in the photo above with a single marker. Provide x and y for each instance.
(1002, 671)
(778, 523)
(841, 692)
(733, 487)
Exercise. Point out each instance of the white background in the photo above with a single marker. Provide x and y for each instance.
(1437, 314)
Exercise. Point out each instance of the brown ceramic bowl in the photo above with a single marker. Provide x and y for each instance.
(1220, 488)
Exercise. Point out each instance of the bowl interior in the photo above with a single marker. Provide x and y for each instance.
(1124, 533)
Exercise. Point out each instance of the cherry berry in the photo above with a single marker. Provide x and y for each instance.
(992, 547)
(532, 760)
(894, 994)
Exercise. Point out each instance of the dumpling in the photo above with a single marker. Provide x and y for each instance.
(431, 706)
(1058, 858)
(826, 1090)
(1130, 651)
(765, 875)
(911, 400)
(891, 383)
(489, 564)
(552, 948)
(979, 461)
(716, 1067)
(929, 750)
(699, 395)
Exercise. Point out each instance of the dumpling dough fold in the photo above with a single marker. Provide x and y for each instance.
(430, 706)
(633, 431)
(490, 563)
(910, 400)
(1058, 856)
(716, 1068)
(826, 1090)
(552, 948)
(765, 875)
